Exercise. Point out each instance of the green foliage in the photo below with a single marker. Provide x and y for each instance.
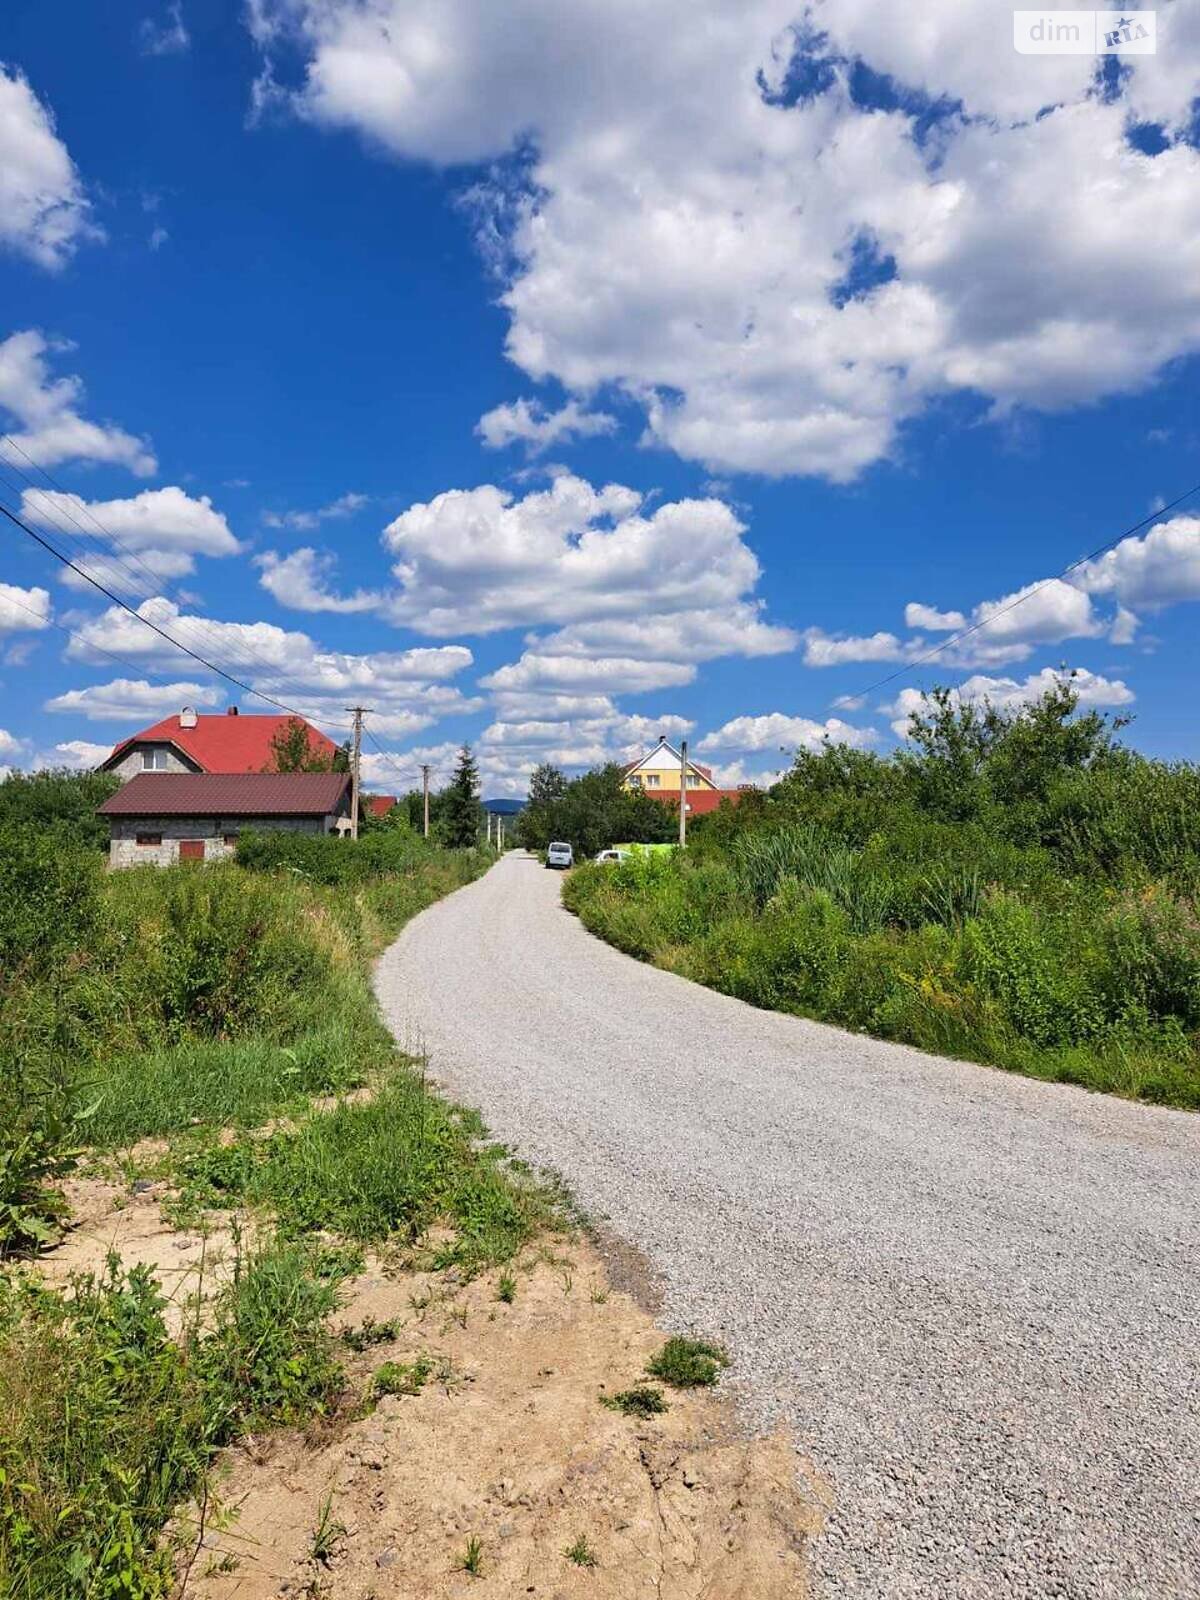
(294, 749)
(370, 1333)
(460, 817)
(402, 1377)
(325, 858)
(592, 812)
(643, 1401)
(370, 1171)
(688, 1363)
(58, 803)
(471, 1559)
(183, 1002)
(159, 999)
(106, 1422)
(1014, 888)
(580, 1553)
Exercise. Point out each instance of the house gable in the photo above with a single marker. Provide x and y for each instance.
(227, 742)
(663, 763)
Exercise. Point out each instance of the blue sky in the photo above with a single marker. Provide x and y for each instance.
(552, 380)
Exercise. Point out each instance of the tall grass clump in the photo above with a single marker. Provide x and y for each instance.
(145, 1002)
(107, 1422)
(378, 1169)
(1012, 887)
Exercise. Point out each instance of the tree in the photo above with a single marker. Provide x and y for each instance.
(294, 750)
(461, 813)
(592, 812)
(547, 786)
(60, 802)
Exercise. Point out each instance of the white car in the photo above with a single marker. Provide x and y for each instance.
(560, 855)
(614, 857)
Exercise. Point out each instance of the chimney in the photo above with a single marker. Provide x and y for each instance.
(187, 717)
(231, 711)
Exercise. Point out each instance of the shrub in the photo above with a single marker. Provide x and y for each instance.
(107, 1423)
(688, 1363)
(1014, 888)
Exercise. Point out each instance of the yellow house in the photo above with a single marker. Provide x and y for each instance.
(659, 773)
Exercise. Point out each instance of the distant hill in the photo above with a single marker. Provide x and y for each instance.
(504, 808)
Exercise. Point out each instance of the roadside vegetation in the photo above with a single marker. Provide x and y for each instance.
(1012, 887)
(224, 1012)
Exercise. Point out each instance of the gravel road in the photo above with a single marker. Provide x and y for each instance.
(974, 1297)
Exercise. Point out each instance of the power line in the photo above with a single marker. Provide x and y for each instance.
(405, 774)
(72, 633)
(965, 633)
(157, 583)
(146, 621)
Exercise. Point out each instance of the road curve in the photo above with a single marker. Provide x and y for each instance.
(974, 1297)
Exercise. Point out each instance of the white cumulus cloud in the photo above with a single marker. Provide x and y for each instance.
(301, 581)
(1009, 694)
(782, 280)
(51, 427)
(779, 731)
(44, 211)
(151, 536)
(23, 610)
(129, 699)
(528, 422)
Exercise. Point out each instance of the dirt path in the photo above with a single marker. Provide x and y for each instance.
(974, 1297)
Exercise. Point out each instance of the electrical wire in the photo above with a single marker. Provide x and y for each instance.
(965, 633)
(55, 512)
(116, 599)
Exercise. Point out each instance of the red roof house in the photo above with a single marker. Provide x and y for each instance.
(197, 742)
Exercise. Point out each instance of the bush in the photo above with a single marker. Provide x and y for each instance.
(107, 1423)
(59, 804)
(1016, 888)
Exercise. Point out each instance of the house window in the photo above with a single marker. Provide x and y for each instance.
(230, 838)
(154, 760)
(148, 838)
(652, 780)
(635, 782)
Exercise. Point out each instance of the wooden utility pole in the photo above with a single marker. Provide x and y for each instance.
(683, 777)
(425, 791)
(358, 712)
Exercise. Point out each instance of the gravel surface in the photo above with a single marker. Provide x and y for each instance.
(973, 1296)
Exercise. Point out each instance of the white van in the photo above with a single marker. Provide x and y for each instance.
(560, 855)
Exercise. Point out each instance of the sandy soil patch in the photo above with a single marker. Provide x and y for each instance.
(508, 1444)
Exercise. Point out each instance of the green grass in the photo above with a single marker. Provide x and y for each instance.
(982, 977)
(580, 1553)
(641, 1401)
(327, 1533)
(107, 1423)
(1011, 886)
(471, 1559)
(369, 1333)
(688, 1363)
(402, 1377)
(374, 1170)
(175, 1004)
(222, 1083)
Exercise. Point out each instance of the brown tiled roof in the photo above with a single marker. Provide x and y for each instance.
(228, 794)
